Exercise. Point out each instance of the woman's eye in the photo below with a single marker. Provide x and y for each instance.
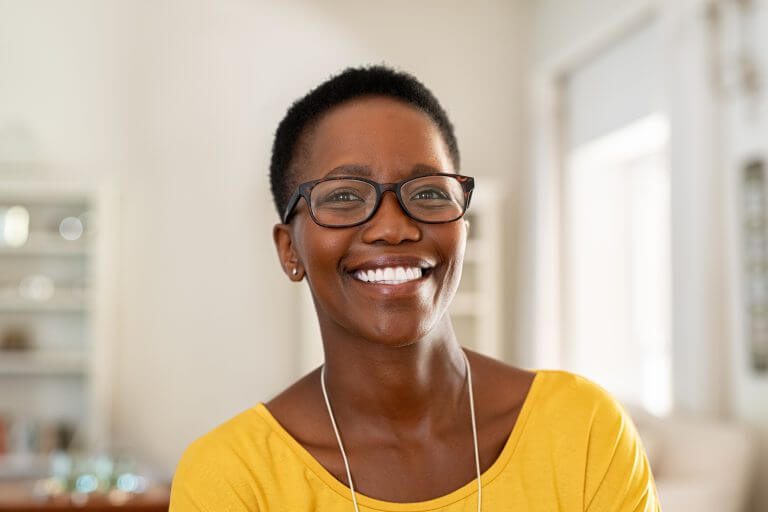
(431, 193)
(341, 196)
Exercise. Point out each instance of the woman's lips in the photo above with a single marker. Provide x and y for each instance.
(390, 289)
(389, 275)
(377, 262)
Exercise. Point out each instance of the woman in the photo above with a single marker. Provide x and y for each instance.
(400, 417)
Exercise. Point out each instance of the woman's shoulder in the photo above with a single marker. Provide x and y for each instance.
(550, 392)
(558, 387)
(246, 430)
(235, 459)
(576, 402)
(255, 426)
(601, 438)
(212, 473)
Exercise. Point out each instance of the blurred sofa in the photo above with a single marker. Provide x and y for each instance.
(699, 465)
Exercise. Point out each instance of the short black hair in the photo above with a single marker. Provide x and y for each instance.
(351, 83)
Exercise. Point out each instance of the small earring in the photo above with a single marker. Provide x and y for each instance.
(295, 271)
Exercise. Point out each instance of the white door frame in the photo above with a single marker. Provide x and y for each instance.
(545, 182)
(699, 327)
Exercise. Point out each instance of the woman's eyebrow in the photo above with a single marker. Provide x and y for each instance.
(364, 170)
(425, 169)
(350, 169)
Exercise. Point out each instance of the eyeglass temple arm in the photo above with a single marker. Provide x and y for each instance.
(291, 205)
(469, 184)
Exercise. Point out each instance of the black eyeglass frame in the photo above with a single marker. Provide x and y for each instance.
(305, 190)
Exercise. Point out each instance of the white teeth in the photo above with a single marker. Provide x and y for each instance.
(389, 275)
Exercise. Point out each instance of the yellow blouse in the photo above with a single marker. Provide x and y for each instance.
(573, 448)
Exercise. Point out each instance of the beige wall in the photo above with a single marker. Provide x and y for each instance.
(179, 100)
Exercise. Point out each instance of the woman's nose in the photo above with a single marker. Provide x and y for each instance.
(390, 223)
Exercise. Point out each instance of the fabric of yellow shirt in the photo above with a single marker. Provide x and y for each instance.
(573, 448)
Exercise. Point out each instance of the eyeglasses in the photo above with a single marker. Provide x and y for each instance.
(340, 202)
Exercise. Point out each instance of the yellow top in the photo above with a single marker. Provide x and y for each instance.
(573, 448)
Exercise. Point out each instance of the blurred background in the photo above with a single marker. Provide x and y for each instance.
(620, 224)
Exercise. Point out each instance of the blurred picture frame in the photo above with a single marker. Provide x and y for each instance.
(755, 250)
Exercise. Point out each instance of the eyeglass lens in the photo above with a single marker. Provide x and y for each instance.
(349, 201)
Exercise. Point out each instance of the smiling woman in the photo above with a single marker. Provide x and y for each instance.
(365, 175)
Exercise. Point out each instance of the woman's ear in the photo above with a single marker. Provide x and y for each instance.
(286, 251)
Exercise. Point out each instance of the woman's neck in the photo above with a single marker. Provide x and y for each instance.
(411, 386)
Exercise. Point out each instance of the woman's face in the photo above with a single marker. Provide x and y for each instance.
(387, 141)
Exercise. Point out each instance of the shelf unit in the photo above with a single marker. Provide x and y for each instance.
(62, 374)
(477, 306)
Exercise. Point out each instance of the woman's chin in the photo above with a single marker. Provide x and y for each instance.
(396, 333)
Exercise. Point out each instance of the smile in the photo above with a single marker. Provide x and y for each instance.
(389, 275)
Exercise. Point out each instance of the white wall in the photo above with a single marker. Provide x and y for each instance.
(558, 25)
(179, 100)
(55, 99)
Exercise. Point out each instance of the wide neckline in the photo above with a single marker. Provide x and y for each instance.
(417, 506)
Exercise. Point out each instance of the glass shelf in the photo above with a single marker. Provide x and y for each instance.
(48, 244)
(61, 302)
(42, 362)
